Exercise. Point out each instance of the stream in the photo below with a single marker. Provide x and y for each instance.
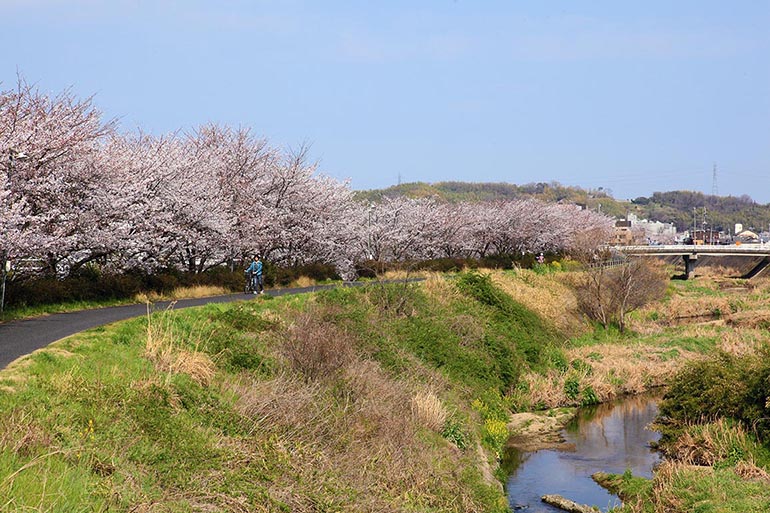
(610, 438)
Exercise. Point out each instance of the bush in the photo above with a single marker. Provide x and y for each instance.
(316, 349)
(724, 386)
(609, 294)
(90, 284)
(283, 276)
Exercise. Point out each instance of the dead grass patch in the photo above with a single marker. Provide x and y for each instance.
(711, 443)
(741, 342)
(315, 348)
(22, 435)
(439, 289)
(303, 282)
(163, 346)
(753, 318)
(429, 411)
(609, 370)
(196, 291)
(748, 470)
(550, 298)
(695, 309)
(354, 433)
(402, 275)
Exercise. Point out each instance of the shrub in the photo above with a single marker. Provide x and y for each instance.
(316, 349)
(572, 388)
(608, 295)
(454, 433)
(724, 386)
(589, 396)
(495, 435)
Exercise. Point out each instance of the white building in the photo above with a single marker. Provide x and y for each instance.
(654, 230)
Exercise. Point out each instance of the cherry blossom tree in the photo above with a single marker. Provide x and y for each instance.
(51, 145)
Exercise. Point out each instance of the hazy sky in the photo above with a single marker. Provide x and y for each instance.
(636, 97)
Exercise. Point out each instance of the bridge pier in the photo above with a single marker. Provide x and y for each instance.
(689, 264)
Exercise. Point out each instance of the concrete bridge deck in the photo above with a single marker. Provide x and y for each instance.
(690, 253)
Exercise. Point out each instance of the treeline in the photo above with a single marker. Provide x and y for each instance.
(77, 193)
(679, 207)
(683, 208)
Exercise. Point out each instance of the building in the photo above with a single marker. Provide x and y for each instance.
(654, 231)
(622, 234)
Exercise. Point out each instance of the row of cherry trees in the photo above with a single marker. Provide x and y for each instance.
(75, 190)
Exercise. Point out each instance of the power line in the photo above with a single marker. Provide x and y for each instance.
(714, 188)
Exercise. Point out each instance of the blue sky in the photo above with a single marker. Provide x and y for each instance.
(635, 97)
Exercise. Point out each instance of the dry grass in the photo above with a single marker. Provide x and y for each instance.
(163, 346)
(357, 430)
(752, 318)
(429, 411)
(748, 470)
(303, 282)
(708, 444)
(182, 293)
(615, 370)
(349, 434)
(439, 289)
(666, 499)
(315, 348)
(402, 275)
(22, 435)
(718, 271)
(742, 342)
(550, 298)
(689, 309)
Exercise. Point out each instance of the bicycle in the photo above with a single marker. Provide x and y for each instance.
(250, 283)
(253, 283)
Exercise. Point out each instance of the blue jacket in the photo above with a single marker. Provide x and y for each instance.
(255, 267)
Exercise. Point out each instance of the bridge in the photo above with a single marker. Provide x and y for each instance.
(690, 253)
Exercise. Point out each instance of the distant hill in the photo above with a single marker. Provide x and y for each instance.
(678, 207)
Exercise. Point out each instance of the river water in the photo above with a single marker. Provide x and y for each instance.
(610, 438)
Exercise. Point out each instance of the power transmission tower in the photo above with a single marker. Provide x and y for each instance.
(714, 188)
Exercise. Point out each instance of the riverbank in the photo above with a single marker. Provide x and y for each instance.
(534, 431)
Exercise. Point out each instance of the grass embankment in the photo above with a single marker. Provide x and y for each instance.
(386, 398)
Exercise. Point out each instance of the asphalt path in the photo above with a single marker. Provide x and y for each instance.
(19, 338)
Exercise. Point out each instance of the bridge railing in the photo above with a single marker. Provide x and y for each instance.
(681, 249)
(606, 264)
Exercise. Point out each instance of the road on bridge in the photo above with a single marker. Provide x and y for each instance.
(691, 252)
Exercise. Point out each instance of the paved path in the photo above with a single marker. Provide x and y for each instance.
(18, 338)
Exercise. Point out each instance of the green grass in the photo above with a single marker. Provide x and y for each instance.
(692, 490)
(27, 312)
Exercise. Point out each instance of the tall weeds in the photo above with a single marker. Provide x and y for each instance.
(167, 349)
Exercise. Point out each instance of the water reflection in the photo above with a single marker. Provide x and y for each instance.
(607, 438)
